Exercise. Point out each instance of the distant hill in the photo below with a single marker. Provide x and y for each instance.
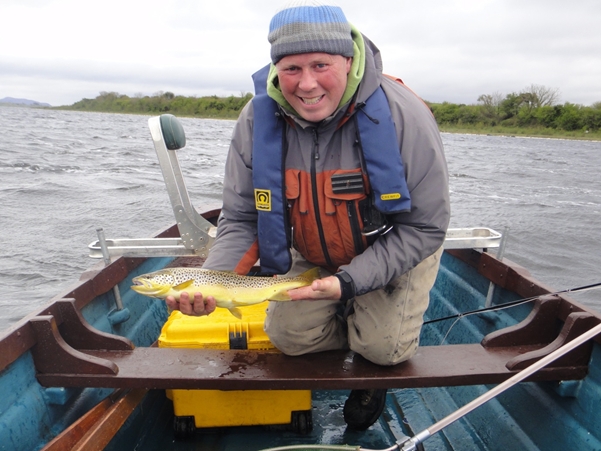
(27, 102)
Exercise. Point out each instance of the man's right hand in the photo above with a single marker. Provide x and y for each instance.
(198, 306)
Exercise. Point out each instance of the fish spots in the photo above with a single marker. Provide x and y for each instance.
(229, 280)
(229, 289)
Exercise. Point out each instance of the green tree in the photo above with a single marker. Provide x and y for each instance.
(510, 106)
(591, 118)
(547, 115)
(445, 112)
(570, 117)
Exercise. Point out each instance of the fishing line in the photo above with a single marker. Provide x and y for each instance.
(507, 305)
(450, 328)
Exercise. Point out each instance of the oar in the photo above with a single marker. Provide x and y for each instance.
(412, 443)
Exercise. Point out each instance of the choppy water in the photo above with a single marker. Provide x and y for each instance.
(64, 174)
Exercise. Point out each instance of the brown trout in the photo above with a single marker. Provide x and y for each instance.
(229, 289)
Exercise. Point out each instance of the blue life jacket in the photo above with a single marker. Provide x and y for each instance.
(381, 154)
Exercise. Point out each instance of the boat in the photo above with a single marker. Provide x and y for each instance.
(505, 362)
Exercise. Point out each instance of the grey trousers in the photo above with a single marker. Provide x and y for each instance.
(384, 326)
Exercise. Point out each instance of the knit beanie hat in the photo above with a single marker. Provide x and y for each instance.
(307, 26)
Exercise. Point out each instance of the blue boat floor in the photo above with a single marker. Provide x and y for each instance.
(155, 432)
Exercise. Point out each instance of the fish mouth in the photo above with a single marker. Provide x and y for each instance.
(147, 288)
(141, 284)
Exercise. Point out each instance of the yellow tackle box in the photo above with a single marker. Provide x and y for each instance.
(218, 408)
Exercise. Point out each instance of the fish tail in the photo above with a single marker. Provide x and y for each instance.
(310, 275)
(307, 278)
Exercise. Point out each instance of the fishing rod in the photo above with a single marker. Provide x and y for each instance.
(412, 443)
(513, 303)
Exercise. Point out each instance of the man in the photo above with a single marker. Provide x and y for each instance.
(336, 165)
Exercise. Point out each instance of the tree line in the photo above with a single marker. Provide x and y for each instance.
(165, 102)
(535, 107)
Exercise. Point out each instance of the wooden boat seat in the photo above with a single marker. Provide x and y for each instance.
(69, 353)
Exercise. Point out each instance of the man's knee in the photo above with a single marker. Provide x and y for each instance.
(304, 327)
(284, 344)
(384, 352)
(281, 333)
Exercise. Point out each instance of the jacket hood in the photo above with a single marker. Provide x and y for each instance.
(372, 76)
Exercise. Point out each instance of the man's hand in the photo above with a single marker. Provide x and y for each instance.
(198, 306)
(326, 288)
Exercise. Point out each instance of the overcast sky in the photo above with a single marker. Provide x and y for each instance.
(60, 51)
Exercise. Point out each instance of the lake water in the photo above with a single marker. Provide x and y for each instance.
(64, 174)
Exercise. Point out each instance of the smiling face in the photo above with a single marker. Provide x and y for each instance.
(313, 83)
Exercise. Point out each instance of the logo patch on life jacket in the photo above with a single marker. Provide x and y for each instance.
(263, 199)
(390, 196)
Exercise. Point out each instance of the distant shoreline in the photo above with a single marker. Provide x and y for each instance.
(231, 113)
(523, 132)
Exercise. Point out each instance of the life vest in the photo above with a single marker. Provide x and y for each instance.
(380, 148)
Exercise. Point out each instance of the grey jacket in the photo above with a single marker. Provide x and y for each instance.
(415, 236)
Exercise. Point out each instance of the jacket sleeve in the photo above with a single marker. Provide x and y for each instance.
(419, 233)
(236, 248)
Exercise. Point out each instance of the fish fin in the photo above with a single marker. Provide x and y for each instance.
(281, 296)
(236, 312)
(182, 286)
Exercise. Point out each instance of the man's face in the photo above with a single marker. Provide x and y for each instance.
(313, 83)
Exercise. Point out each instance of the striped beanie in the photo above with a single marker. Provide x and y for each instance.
(306, 26)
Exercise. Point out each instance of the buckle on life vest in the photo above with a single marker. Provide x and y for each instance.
(374, 221)
(382, 230)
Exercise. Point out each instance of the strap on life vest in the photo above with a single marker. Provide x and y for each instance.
(268, 172)
(381, 153)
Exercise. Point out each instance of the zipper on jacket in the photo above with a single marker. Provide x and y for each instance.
(322, 238)
(355, 228)
(289, 231)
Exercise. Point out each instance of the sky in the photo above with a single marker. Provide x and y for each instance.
(61, 51)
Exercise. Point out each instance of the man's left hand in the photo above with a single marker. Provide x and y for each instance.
(326, 288)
